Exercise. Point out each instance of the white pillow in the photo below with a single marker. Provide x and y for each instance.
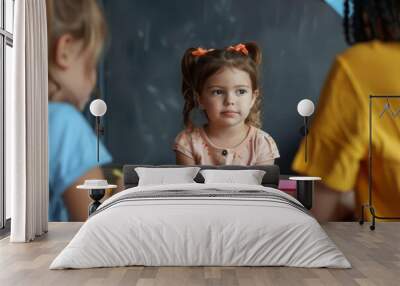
(163, 176)
(248, 177)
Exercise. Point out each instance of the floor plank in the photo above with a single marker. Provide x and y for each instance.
(374, 255)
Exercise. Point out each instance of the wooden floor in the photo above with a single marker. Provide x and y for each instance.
(374, 255)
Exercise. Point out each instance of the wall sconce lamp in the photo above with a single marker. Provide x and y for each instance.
(97, 187)
(98, 108)
(305, 108)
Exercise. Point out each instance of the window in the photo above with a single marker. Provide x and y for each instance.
(6, 63)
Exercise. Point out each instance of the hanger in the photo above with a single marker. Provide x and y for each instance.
(388, 108)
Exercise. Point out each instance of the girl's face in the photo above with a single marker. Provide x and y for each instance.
(73, 72)
(227, 97)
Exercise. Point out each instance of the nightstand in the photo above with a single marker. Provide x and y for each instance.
(97, 189)
(305, 189)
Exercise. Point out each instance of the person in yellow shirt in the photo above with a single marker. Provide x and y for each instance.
(339, 135)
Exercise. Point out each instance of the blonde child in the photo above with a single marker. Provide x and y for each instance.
(76, 31)
(224, 83)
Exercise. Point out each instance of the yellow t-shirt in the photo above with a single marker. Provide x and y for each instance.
(339, 133)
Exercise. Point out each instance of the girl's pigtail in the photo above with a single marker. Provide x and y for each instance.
(254, 52)
(188, 86)
(254, 117)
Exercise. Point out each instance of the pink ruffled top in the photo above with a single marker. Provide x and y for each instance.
(258, 148)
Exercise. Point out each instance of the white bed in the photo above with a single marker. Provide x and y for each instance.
(223, 225)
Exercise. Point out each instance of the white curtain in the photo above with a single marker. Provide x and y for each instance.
(26, 124)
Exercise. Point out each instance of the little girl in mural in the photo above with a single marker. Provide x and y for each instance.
(76, 31)
(224, 83)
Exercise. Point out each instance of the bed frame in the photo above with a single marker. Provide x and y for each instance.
(305, 189)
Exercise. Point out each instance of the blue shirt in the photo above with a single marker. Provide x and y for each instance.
(338, 5)
(72, 153)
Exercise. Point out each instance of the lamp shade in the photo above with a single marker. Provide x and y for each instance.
(305, 107)
(98, 107)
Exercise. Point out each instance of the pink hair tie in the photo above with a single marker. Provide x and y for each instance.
(240, 48)
(201, 52)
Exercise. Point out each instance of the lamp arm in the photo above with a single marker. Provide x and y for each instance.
(98, 132)
(306, 135)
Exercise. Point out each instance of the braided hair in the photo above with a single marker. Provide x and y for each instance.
(367, 20)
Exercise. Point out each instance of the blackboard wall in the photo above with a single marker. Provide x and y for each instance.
(140, 78)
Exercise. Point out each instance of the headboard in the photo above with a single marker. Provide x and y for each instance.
(270, 179)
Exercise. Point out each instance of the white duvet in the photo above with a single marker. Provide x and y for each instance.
(185, 231)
